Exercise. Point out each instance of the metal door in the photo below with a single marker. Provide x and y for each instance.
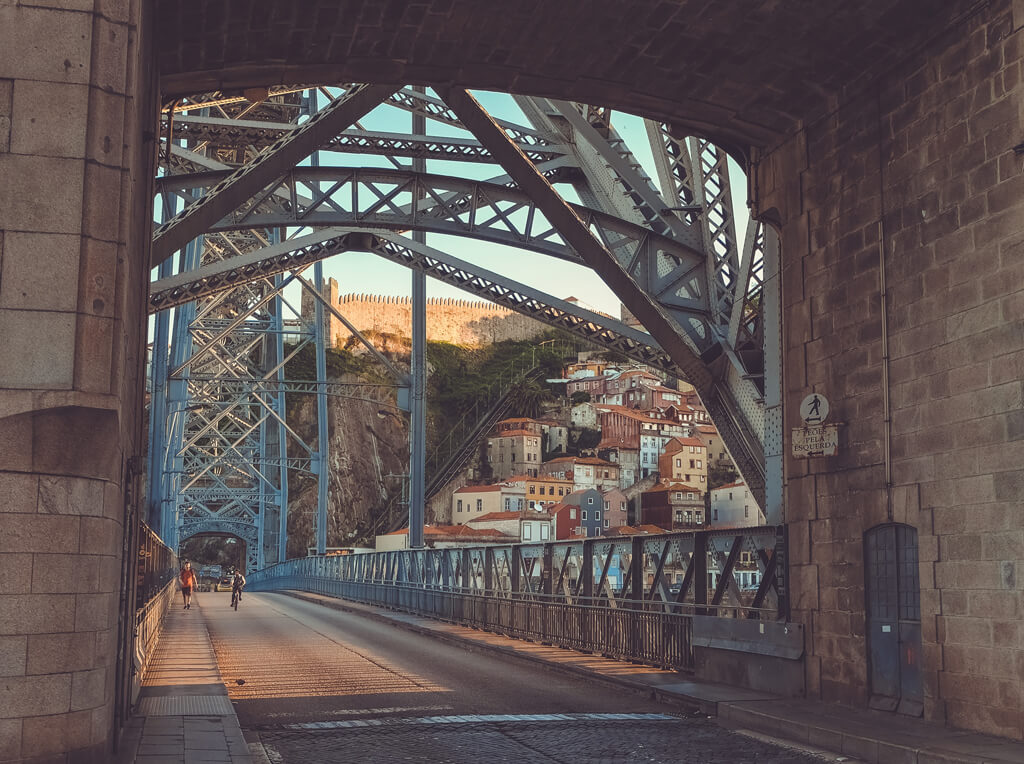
(893, 599)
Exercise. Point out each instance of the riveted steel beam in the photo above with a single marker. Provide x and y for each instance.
(273, 162)
(725, 411)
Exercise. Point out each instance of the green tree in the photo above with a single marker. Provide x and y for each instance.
(527, 398)
(580, 396)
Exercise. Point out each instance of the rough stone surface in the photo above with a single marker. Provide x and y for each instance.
(748, 86)
(70, 387)
(921, 164)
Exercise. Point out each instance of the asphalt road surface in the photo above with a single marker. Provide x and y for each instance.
(318, 685)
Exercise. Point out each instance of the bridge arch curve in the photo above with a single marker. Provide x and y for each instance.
(708, 70)
(246, 533)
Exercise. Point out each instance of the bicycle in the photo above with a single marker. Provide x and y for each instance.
(236, 595)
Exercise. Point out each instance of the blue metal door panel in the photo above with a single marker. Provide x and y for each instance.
(893, 619)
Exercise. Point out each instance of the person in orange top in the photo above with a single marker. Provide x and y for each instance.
(188, 583)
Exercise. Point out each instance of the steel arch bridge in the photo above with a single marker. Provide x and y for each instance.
(254, 195)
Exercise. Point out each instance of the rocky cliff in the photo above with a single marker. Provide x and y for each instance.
(363, 450)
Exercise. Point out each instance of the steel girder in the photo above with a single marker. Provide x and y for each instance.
(264, 168)
(708, 313)
(248, 133)
(592, 327)
(372, 197)
(696, 192)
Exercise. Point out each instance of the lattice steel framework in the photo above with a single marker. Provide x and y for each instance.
(238, 179)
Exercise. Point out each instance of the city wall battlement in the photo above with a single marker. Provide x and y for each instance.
(461, 322)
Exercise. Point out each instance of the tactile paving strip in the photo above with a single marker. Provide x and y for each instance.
(186, 705)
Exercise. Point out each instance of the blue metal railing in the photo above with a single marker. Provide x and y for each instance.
(638, 603)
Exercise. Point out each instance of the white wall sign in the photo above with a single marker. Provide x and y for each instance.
(819, 440)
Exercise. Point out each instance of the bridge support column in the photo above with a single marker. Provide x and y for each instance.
(73, 204)
(901, 215)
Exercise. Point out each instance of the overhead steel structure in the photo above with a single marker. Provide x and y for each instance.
(257, 193)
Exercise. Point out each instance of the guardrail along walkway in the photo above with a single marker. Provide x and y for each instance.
(184, 714)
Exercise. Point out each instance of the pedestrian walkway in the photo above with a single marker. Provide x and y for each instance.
(865, 735)
(184, 715)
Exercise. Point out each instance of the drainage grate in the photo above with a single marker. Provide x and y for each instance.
(187, 705)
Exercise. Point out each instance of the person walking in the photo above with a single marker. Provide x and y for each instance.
(188, 584)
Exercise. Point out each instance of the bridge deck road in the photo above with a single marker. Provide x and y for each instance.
(315, 684)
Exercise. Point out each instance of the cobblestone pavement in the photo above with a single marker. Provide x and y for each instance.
(670, 741)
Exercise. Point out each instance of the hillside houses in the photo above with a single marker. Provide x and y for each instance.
(633, 452)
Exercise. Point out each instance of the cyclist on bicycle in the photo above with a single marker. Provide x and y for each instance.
(237, 584)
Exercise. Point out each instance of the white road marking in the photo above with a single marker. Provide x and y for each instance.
(480, 719)
(369, 711)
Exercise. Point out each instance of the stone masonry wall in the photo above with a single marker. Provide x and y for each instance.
(73, 272)
(922, 164)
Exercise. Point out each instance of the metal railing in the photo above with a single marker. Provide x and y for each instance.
(156, 586)
(639, 603)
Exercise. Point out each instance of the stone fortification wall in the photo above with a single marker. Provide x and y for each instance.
(461, 322)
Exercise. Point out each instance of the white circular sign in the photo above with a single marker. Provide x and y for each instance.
(814, 409)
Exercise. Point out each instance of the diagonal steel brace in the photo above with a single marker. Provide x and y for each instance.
(269, 165)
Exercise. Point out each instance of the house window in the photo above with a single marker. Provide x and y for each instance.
(533, 489)
(508, 503)
(572, 513)
(479, 505)
(691, 460)
(606, 522)
(703, 478)
(551, 491)
(679, 496)
(545, 532)
(460, 505)
(583, 515)
(699, 517)
(679, 462)
(526, 532)
(690, 496)
(746, 511)
(700, 464)
(716, 515)
(730, 495)
(590, 500)
(679, 515)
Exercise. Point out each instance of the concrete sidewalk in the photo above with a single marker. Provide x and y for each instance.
(869, 736)
(184, 714)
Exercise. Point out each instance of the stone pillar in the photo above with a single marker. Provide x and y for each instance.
(917, 172)
(76, 172)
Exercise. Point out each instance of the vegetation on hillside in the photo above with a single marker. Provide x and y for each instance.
(460, 378)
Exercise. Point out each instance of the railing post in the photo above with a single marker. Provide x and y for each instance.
(587, 593)
(637, 587)
(547, 583)
(700, 571)
(782, 570)
(488, 570)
